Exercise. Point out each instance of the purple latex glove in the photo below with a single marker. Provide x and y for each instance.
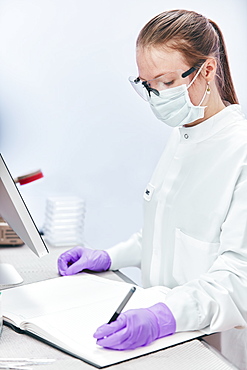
(136, 328)
(80, 258)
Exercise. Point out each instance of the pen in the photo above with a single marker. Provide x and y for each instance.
(122, 305)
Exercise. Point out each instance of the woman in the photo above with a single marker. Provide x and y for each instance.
(194, 237)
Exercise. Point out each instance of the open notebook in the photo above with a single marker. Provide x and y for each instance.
(66, 311)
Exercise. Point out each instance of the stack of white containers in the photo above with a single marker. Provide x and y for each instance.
(64, 221)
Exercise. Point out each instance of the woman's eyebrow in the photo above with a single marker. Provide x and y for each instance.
(159, 75)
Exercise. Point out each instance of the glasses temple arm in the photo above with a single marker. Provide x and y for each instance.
(187, 73)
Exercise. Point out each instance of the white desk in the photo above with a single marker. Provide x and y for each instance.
(187, 356)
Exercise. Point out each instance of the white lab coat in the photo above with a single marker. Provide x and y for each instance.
(194, 236)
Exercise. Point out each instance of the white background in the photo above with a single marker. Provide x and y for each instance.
(66, 105)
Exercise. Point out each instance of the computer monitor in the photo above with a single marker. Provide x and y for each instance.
(15, 212)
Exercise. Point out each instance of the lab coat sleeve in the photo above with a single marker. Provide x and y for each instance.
(127, 253)
(217, 300)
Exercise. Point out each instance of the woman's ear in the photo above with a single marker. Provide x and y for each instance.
(209, 69)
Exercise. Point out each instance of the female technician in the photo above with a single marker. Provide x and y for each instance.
(194, 237)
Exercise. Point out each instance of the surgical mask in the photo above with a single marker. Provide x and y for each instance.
(174, 107)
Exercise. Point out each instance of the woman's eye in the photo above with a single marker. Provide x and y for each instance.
(169, 83)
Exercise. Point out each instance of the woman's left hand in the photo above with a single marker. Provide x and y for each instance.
(136, 328)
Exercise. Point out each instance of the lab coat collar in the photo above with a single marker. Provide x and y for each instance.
(211, 126)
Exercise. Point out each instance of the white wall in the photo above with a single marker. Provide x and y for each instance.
(66, 105)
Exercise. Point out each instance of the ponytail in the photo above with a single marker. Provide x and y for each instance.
(224, 78)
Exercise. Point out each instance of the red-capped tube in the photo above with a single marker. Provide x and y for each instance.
(36, 175)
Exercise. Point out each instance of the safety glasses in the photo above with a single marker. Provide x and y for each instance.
(166, 81)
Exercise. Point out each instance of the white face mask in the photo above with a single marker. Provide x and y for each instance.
(174, 107)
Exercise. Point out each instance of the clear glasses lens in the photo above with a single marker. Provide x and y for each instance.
(139, 87)
(166, 81)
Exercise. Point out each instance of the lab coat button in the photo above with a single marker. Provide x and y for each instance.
(148, 193)
(186, 136)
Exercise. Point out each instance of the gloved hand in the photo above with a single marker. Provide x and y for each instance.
(136, 328)
(80, 258)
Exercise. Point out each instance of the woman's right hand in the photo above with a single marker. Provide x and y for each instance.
(80, 258)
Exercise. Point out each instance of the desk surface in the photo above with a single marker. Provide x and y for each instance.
(186, 356)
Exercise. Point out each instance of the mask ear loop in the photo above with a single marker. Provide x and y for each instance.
(197, 73)
(207, 91)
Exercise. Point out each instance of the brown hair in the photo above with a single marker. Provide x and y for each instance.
(197, 38)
